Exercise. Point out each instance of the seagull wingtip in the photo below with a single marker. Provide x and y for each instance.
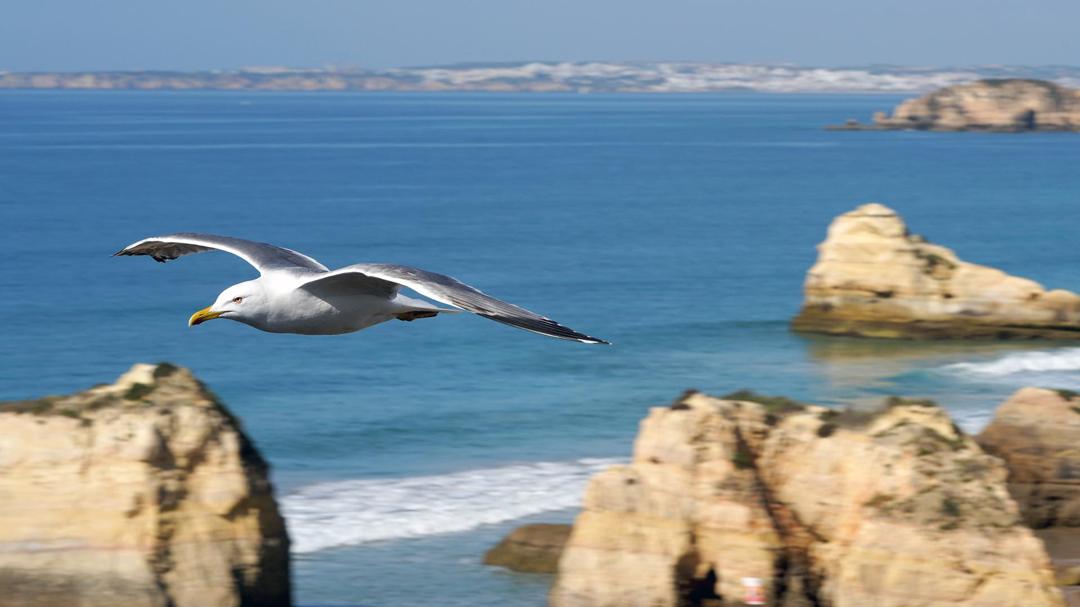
(595, 340)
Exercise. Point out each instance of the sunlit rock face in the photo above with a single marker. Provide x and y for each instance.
(1037, 433)
(990, 105)
(895, 507)
(145, 492)
(874, 278)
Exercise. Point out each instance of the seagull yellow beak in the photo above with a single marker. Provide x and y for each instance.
(202, 316)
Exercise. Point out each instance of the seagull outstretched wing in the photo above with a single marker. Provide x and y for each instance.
(448, 290)
(265, 257)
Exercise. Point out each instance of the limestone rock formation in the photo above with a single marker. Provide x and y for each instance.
(892, 508)
(144, 492)
(1006, 105)
(874, 278)
(1037, 433)
(531, 548)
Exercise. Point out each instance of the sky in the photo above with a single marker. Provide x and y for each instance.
(69, 35)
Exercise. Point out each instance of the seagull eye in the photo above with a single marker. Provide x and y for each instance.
(237, 300)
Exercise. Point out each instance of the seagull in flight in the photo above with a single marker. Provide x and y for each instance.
(296, 294)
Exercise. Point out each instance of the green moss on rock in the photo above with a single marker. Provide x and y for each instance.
(1069, 395)
(138, 391)
(165, 370)
(950, 507)
(826, 430)
(41, 406)
(900, 401)
(772, 404)
(742, 458)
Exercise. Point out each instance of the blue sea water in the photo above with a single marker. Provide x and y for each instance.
(678, 227)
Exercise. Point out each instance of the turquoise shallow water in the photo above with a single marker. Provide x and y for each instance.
(678, 227)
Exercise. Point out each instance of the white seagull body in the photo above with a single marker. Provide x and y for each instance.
(296, 294)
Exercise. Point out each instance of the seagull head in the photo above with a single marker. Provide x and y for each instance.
(242, 302)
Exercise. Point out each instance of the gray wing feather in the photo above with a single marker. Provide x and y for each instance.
(451, 291)
(340, 281)
(259, 254)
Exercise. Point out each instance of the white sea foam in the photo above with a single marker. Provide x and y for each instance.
(973, 422)
(351, 512)
(1067, 359)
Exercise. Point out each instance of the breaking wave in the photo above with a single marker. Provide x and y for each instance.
(1067, 359)
(343, 513)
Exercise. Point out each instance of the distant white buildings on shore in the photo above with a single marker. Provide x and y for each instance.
(592, 76)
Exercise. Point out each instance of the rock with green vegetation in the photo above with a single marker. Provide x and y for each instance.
(873, 278)
(141, 493)
(531, 548)
(890, 507)
(772, 404)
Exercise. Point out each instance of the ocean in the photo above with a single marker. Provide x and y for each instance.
(679, 227)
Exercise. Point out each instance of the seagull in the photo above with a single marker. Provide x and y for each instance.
(296, 294)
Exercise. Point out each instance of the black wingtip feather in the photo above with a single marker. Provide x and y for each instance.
(545, 326)
(128, 252)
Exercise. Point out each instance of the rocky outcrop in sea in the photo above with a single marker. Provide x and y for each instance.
(534, 548)
(874, 278)
(145, 492)
(742, 496)
(1001, 105)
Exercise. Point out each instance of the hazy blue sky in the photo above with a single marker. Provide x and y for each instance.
(193, 34)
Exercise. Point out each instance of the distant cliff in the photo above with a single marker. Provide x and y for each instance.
(142, 493)
(874, 278)
(802, 506)
(1003, 105)
(579, 77)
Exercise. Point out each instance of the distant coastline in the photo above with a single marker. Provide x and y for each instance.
(577, 77)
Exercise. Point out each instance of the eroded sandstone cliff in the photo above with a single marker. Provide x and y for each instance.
(891, 508)
(144, 492)
(874, 278)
